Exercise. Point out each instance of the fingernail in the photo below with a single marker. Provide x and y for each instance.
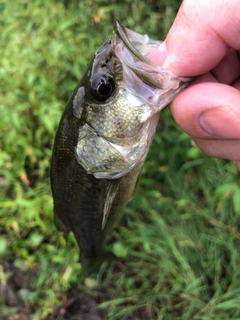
(162, 47)
(159, 54)
(222, 122)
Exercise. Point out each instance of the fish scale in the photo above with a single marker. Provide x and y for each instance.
(111, 126)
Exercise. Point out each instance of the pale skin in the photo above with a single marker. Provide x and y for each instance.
(204, 42)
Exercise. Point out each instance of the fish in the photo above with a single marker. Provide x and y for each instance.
(103, 138)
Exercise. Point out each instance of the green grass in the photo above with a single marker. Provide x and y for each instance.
(179, 253)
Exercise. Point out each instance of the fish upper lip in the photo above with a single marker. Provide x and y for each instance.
(122, 32)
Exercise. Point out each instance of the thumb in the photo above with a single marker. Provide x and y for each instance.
(200, 36)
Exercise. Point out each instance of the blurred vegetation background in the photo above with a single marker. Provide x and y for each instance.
(178, 255)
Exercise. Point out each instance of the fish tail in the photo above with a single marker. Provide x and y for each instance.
(91, 264)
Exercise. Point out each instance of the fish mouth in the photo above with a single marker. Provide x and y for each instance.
(132, 50)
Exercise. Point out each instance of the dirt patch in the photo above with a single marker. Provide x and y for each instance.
(80, 307)
(14, 288)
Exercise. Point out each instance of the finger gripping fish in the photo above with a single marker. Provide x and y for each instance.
(103, 139)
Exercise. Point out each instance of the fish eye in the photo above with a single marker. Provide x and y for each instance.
(101, 88)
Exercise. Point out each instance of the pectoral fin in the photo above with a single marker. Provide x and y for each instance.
(111, 194)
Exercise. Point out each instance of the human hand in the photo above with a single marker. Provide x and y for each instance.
(204, 42)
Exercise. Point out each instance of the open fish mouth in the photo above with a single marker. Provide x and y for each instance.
(131, 48)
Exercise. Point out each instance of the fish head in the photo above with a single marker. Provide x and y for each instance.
(118, 103)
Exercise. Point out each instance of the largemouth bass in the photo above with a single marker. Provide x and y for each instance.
(103, 138)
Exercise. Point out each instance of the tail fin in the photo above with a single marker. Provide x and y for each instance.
(93, 263)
